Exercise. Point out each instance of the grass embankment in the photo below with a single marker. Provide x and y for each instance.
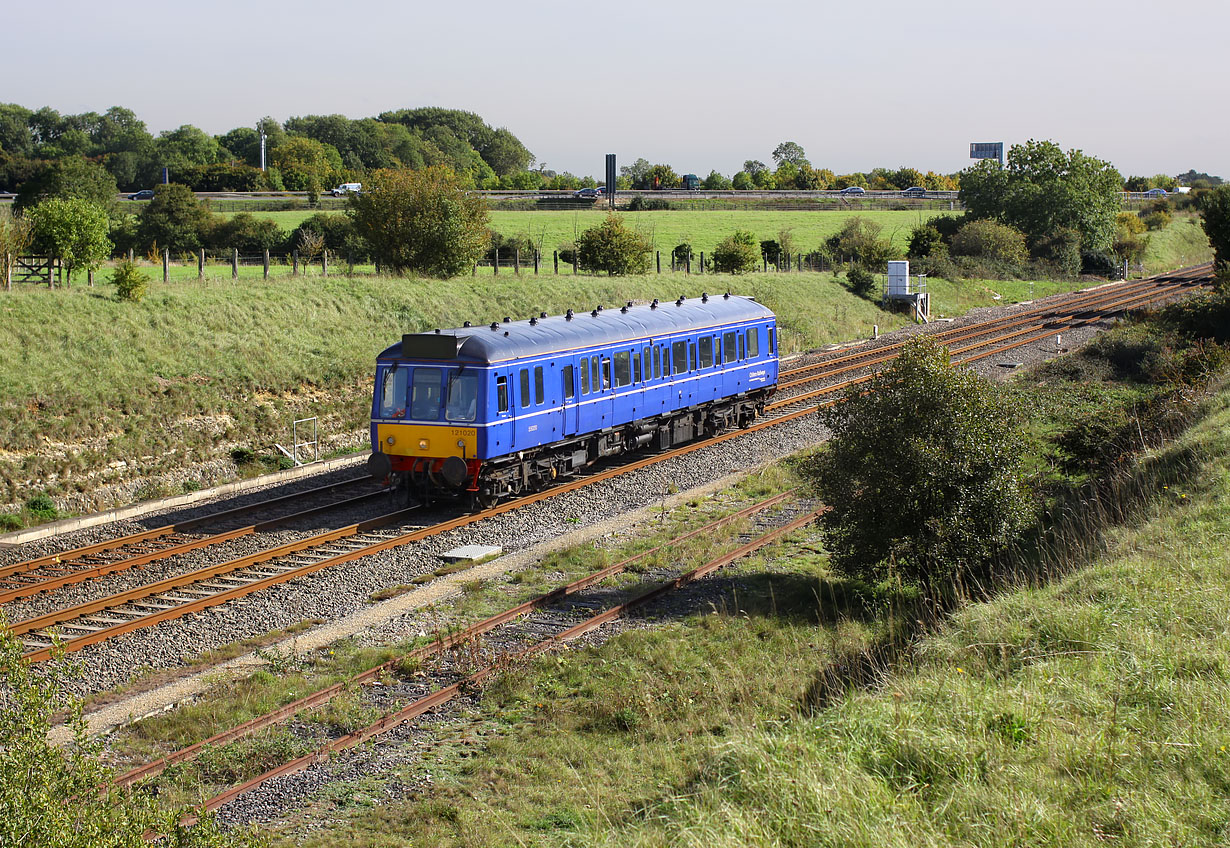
(1077, 710)
(198, 369)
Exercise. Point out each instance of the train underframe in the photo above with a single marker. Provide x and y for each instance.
(532, 470)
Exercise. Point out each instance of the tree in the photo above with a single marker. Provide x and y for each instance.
(742, 181)
(63, 796)
(716, 182)
(421, 221)
(754, 167)
(859, 241)
(738, 253)
(637, 172)
(69, 177)
(612, 247)
(1042, 189)
(73, 231)
(1130, 240)
(174, 219)
(1215, 215)
(790, 152)
(301, 160)
(922, 476)
(663, 176)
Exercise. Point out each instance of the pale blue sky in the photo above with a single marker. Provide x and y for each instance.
(1141, 83)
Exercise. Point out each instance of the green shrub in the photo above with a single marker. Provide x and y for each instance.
(131, 283)
(1158, 220)
(682, 254)
(612, 247)
(924, 240)
(248, 234)
(738, 253)
(1061, 250)
(42, 507)
(987, 239)
(10, 522)
(859, 241)
(862, 283)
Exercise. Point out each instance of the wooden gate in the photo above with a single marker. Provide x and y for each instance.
(33, 269)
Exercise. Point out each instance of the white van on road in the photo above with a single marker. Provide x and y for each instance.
(347, 188)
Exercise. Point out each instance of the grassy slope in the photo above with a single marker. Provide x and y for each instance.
(1085, 710)
(88, 380)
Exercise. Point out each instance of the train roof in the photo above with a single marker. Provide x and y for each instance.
(555, 333)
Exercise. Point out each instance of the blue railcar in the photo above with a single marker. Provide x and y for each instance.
(509, 407)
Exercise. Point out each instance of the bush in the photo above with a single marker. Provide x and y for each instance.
(421, 222)
(924, 240)
(42, 507)
(923, 474)
(248, 234)
(682, 254)
(991, 240)
(1098, 264)
(1215, 212)
(568, 252)
(1155, 220)
(338, 236)
(859, 241)
(654, 204)
(1061, 250)
(862, 283)
(131, 283)
(612, 247)
(10, 522)
(174, 219)
(738, 253)
(771, 250)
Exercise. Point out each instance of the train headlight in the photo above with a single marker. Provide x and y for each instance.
(461, 443)
(422, 444)
(391, 440)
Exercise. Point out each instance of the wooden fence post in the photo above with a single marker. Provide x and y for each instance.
(294, 266)
(200, 264)
(555, 256)
(575, 261)
(266, 263)
(8, 271)
(234, 263)
(702, 262)
(516, 260)
(89, 277)
(687, 268)
(130, 254)
(495, 261)
(658, 254)
(166, 264)
(535, 262)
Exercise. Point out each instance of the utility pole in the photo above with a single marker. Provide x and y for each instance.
(261, 129)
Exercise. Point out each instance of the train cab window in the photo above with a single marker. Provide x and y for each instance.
(566, 376)
(594, 379)
(462, 397)
(393, 393)
(729, 348)
(539, 393)
(425, 394)
(501, 394)
(606, 374)
(753, 343)
(623, 368)
(657, 363)
(524, 393)
(679, 350)
(772, 341)
(584, 377)
(706, 351)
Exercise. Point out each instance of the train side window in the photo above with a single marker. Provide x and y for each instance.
(425, 394)
(753, 343)
(772, 341)
(524, 394)
(680, 351)
(623, 368)
(742, 348)
(606, 374)
(692, 348)
(501, 394)
(706, 351)
(594, 379)
(566, 376)
(647, 358)
(539, 393)
(636, 366)
(657, 363)
(729, 349)
(584, 377)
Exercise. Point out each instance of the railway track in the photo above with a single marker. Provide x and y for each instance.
(465, 658)
(97, 621)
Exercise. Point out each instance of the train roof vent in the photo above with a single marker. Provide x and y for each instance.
(533, 320)
(679, 302)
(466, 324)
(623, 310)
(507, 320)
(628, 304)
(654, 305)
(495, 325)
(704, 297)
(594, 314)
(568, 315)
(542, 315)
(726, 296)
(437, 331)
(599, 307)
(506, 332)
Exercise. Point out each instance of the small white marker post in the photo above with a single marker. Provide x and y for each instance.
(875, 331)
(1058, 341)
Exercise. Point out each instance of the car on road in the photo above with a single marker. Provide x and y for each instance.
(143, 194)
(914, 191)
(587, 192)
(853, 190)
(1156, 192)
(347, 188)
